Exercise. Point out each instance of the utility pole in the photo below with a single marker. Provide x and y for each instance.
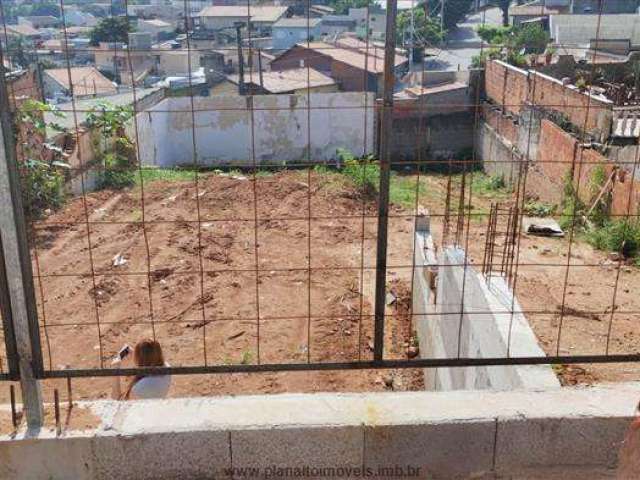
(19, 274)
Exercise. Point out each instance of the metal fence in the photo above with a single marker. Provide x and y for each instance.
(214, 266)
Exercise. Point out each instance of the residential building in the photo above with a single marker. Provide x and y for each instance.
(321, 10)
(376, 21)
(86, 81)
(24, 30)
(354, 68)
(333, 25)
(537, 10)
(158, 29)
(39, 21)
(73, 16)
(262, 17)
(286, 32)
(579, 30)
(293, 81)
(177, 62)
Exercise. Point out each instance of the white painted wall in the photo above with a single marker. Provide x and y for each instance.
(444, 332)
(223, 129)
(580, 29)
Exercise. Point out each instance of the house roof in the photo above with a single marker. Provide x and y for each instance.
(371, 58)
(300, 22)
(258, 13)
(534, 9)
(289, 80)
(86, 80)
(23, 29)
(156, 22)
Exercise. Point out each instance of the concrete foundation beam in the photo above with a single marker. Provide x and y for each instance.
(568, 432)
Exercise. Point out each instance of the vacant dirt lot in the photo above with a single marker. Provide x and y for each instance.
(234, 288)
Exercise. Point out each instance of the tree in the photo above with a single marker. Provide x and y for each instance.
(111, 29)
(454, 11)
(533, 38)
(427, 30)
(504, 6)
(342, 6)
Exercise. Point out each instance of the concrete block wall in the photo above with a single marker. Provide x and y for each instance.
(470, 317)
(278, 132)
(442, 435)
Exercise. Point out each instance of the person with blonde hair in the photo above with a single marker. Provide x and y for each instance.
(147, 353)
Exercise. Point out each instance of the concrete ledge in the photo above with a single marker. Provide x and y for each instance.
(458, 434)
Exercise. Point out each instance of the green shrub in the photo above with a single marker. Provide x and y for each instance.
(600, 212)
(539, 209)
(572, 206)
(42, 187)
(363, 172)
(40, 164)
(487, 184)
(117, 172)
(617, 236)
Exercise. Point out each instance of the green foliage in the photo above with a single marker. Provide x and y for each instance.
(539, 209)
(479, 61)
(111, 29)
(342, 6)
(600, 212)
(427, 29)
(363, 172)
(489, 184)
(494, 35)
(509, 43)
(617, 236)
(454, 12)
(166, 174)
(42, 170)
(118, 152)
(533, 38)
(572, 208)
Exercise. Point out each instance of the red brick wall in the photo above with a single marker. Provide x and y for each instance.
(512, 87)
(502, 125)
(556, 153)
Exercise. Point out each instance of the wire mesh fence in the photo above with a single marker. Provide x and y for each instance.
(249, 192)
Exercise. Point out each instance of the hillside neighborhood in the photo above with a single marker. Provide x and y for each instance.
(220, 198)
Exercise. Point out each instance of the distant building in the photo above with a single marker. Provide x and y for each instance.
(39, 21)
(375, 21)
(296, 81)
(580, 30)
(23, 30)
(286, 32)
(73, 16)
(158, 29)
(86, 81)
(177, 62)
(519, 14)
(262, 17)
(333, 25)
(354, 68)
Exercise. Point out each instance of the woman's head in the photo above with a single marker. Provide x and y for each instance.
(148, 353)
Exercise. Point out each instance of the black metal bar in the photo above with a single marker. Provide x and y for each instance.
(56, 405)
(7, 322)
(14, 412)
(385, 175)
(383, 364)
